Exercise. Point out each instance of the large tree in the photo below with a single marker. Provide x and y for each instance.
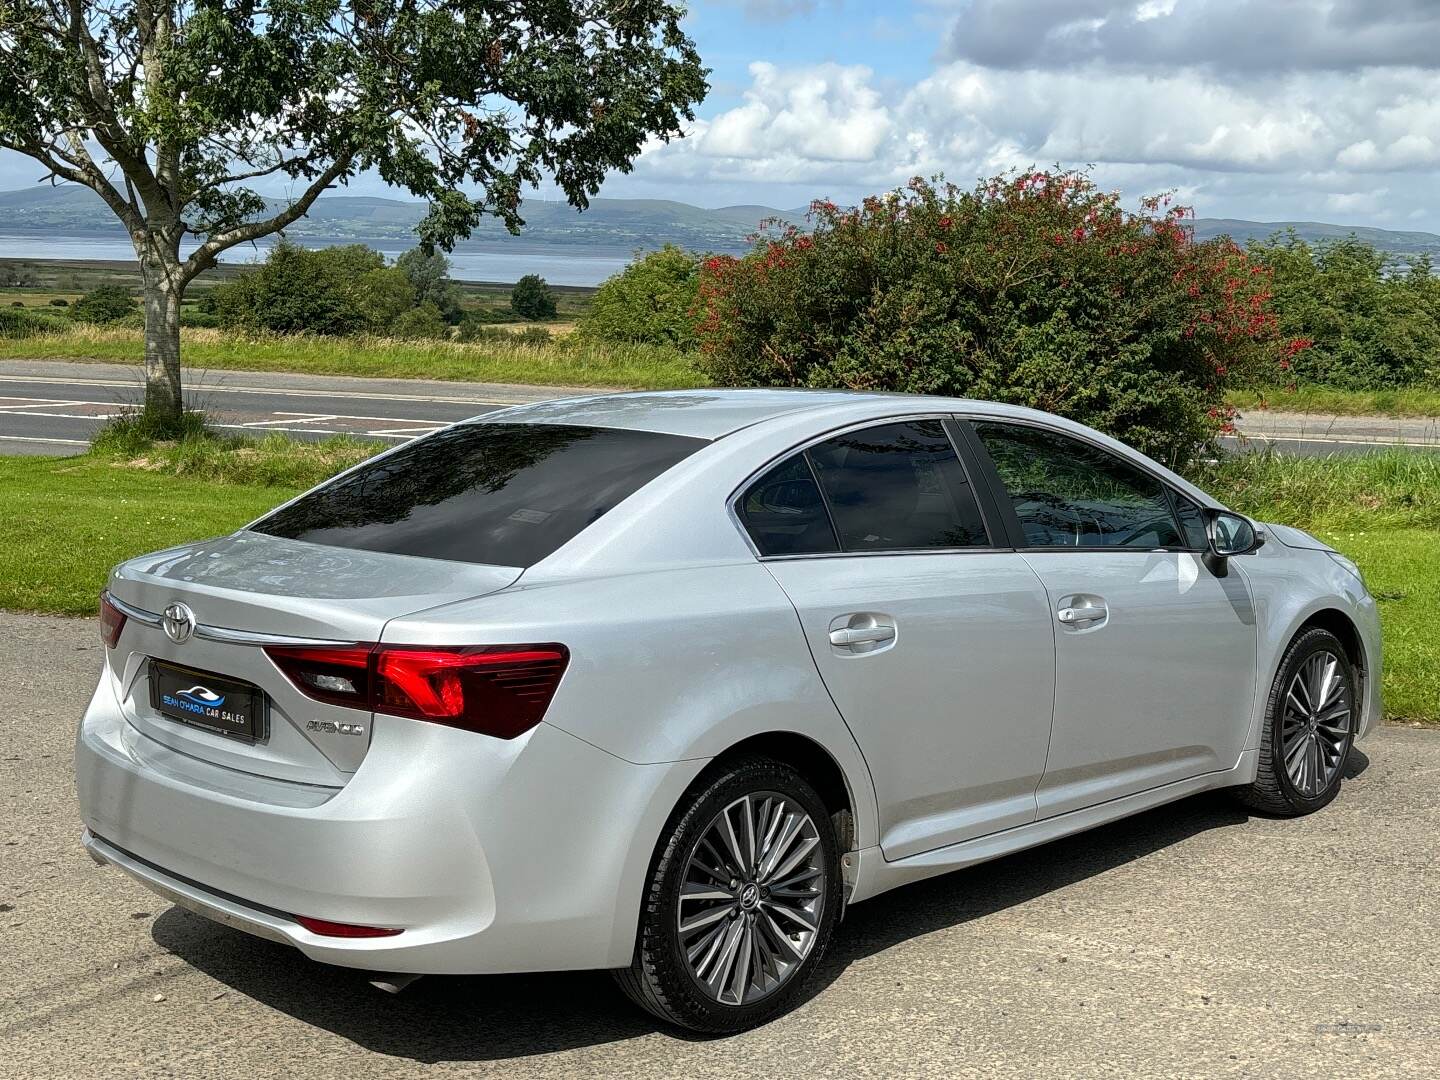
(174, 111)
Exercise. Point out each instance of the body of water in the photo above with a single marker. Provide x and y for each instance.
(468, 263)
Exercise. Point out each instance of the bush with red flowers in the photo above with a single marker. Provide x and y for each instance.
(1035, 288)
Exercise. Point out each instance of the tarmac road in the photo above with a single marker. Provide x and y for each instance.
(1192, 940)
(54, 407)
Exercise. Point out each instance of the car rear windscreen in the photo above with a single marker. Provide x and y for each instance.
(504, 494)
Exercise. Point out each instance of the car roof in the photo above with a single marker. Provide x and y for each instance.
(715, 413)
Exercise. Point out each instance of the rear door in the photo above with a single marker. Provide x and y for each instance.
(1154, 653)
(934, 642)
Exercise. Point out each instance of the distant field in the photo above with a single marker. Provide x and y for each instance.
(70, 278)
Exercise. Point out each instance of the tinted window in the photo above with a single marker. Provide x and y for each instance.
(1068, 493)
(1192, 522)
(784, 512)
(507, 494)
(897, 487)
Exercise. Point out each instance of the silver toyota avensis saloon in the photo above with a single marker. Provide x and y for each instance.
(662, 682)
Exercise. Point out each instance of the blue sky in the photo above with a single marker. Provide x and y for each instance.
(1264, 109)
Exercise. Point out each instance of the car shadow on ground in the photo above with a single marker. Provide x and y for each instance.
(488, 1018)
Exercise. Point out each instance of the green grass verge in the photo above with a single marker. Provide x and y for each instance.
(567, 361)
(1324, 401)
(1402, 569)
(1382, 510)
(70, 519)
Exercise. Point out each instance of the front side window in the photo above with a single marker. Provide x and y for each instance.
(1192, 522)
(504, 494)
(1068, 493)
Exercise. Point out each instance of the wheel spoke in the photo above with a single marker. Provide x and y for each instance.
(704, 919)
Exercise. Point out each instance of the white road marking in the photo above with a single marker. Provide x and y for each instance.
(38, 439)
(280, 390)
(291, 418)
(40, 403)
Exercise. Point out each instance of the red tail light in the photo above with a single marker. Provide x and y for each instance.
(112, 621)
(339, 929)
(497, 690)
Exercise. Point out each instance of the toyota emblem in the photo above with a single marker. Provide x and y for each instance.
(178, 622)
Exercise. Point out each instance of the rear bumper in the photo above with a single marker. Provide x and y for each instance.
(490, 856)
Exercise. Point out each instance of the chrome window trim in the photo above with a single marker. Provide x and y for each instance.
(225, 634)
(801, 447)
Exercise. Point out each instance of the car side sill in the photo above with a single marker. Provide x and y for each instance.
(873, 875)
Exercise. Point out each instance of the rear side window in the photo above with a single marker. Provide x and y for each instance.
(785, 513)
(505, 494)
(892, 487)
(1068, 493)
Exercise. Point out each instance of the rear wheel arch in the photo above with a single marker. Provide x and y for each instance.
(812, 761)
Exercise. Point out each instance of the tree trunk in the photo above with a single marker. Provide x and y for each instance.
(163, 403)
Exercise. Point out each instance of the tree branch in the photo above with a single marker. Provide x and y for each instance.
(204, 256)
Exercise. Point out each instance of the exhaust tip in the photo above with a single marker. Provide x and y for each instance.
(393, 983)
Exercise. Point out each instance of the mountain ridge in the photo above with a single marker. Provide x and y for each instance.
(610, 225)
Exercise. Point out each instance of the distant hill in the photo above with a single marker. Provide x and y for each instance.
(1389, 240)
(610, 226)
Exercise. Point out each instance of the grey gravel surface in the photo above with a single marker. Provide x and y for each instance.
(1193, 940)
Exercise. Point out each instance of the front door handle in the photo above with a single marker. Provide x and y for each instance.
(1082, 611)
(861, 635)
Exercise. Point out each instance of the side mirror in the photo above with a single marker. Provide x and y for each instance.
(1231, 534)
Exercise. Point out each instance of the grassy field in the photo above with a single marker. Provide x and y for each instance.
(79, 516)
(68, 279)
(1324, 401)
(565, 361)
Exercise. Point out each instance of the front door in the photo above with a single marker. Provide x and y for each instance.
(936, 647)
(1155, 655)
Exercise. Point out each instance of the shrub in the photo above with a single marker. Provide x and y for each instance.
(380, 298)
(429, 276)
(105, 304)
(199, 319)
(297, 290)
(22, 323)
(59, 301)
(1037, 289)
(424, 321)
(17, 303)
(1367, 323)
(650, 301)
(532, 299)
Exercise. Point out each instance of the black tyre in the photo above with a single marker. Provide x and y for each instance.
(743, 897)
(1309, 728)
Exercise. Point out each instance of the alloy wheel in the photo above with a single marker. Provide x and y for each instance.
(1316, 725)
(752, 898)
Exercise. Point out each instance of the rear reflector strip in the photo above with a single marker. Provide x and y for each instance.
(112, 621)
(325, 928)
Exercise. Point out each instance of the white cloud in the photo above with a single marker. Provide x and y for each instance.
(1317, 138)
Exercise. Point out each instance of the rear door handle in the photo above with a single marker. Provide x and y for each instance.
(847, 636)
(1082, 610)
